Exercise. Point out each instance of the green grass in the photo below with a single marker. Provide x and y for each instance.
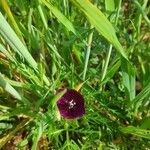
(100, 47)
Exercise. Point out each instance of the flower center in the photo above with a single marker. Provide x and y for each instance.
(72, 103)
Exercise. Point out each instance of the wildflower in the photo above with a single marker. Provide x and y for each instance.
(71, 104)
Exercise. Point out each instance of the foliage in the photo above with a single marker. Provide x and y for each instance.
(100, 47)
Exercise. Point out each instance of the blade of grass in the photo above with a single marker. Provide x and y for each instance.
(136, 131)
(110, 5)
(60, 16)
(36, 137)
(6, 53)
(128, 74)
(136, 102)
(111, 71)
(106, 63)
(101, 23)
(19, 111)
(145, 123)
(7, 87)
(10, 16)
(10, 36)
(87, 53)
(142, 12)
(4, 108)
(16, 83)
(138, 19)
(116, 66)
(42, 16)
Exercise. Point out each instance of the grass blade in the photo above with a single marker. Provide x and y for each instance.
(7, 87)
(87, 56)
(136, 103)
(146, 18)
(36, 136)
(6, 53)
(101, 23)
(136, 131)
(128, 74)
(111, 71)
(60, 16)
(10, 16)
(110, 5)
(10, 36)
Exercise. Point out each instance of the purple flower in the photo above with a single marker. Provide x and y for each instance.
(71, 104)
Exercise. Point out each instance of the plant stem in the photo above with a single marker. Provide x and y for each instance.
(87, 54)
(142, 12)
(110, 48)
(106, 63)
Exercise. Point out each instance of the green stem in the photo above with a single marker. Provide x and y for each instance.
(87, 54)
(118, 11)
(106, 63)
(142, 12)
(110, 48)
(42, 16)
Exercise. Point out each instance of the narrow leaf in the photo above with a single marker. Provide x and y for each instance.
(110, 5)
(145, 123)
(136, 131)
(136, 103)
(10, 16)
(128, 74)
(10, 36)
(111, 71)
(6, 53)
(7, 87)
(101, 23)
(60, 16)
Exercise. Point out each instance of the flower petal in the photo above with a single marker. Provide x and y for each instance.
(71, 104)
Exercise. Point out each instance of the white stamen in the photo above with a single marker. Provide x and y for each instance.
(72, 103)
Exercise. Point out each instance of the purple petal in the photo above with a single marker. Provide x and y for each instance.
(71, 105)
